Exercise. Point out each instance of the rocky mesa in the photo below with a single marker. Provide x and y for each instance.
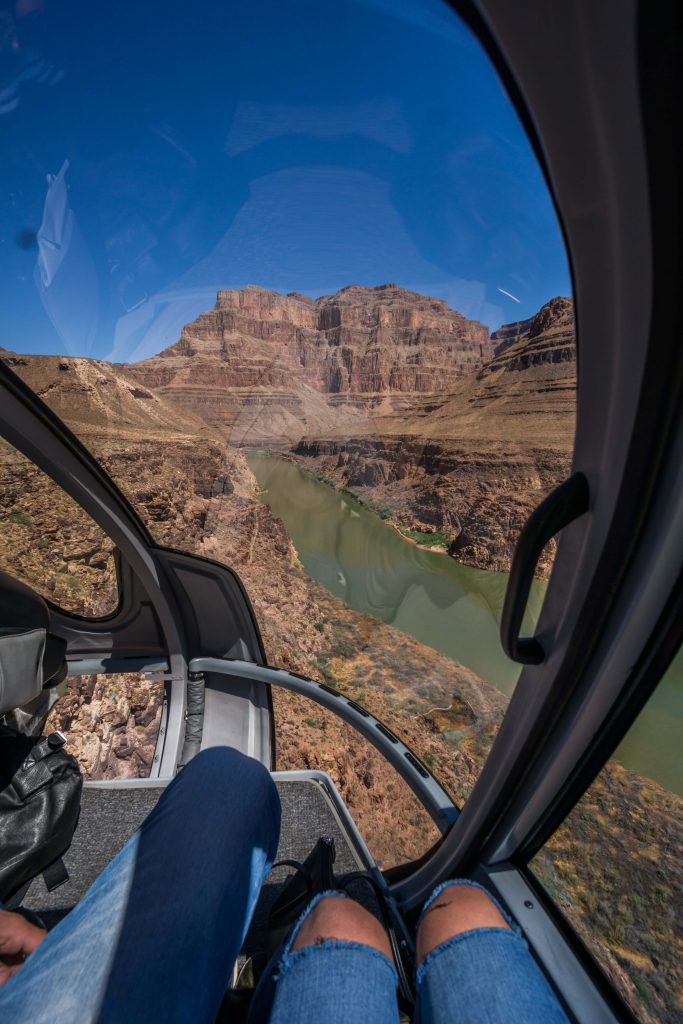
(259, 365)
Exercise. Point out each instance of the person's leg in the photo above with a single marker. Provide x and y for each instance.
(156, 936)
(336, 967)
(340, 918)
(474, 967)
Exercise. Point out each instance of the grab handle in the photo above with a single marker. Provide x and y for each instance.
(565, 504)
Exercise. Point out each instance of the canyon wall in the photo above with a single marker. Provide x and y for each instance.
(382, 391)
(394, 396)
(471, 464)
(471, 501)
(262, 364)
(508, 334)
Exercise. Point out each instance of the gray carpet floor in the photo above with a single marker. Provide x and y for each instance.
(108, 819)
(109, 816)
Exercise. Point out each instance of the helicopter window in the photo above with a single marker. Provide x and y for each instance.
(51, 543)
(614, 866)
(112, 722)
(313, 313)
(391, 820)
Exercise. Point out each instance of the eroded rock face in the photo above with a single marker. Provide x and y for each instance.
(112, 724)
(364, 341)
(477, 499)
(557, 311)
(471, 464)
(548, 337)
(508, 334)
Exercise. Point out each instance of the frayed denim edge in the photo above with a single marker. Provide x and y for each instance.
(290, 960)
(455, 940)
(302, 917)
(472, 885)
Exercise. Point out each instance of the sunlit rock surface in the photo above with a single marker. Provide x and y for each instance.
(284, 354)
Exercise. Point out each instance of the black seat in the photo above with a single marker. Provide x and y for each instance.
(31, 657)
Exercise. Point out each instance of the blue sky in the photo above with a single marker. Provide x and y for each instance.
(301, 146)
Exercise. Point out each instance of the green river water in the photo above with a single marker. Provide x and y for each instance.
(451, 607)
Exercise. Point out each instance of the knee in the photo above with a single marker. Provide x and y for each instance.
(219, 765)
(459, 908)
(335, 917)
(225, 775)
(233, 792)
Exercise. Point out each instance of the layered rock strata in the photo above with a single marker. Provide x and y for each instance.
(472, 463)
(272, 353)
(475, 499)
(508, 334)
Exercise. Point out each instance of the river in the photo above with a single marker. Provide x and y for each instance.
(452, 608)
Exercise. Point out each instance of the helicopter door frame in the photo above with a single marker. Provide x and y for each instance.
(624, 556)
(601, 98)
(35, 431)
(173, 606)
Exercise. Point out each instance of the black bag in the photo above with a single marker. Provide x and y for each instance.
(40, 799)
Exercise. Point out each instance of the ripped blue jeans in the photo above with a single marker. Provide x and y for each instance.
(157, 934)
(483, 976)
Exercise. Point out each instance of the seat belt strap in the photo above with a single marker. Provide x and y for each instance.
(55, 874)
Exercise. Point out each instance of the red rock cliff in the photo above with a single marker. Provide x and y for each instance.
(361, 340)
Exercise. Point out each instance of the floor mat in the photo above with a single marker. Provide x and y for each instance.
(110, 815)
